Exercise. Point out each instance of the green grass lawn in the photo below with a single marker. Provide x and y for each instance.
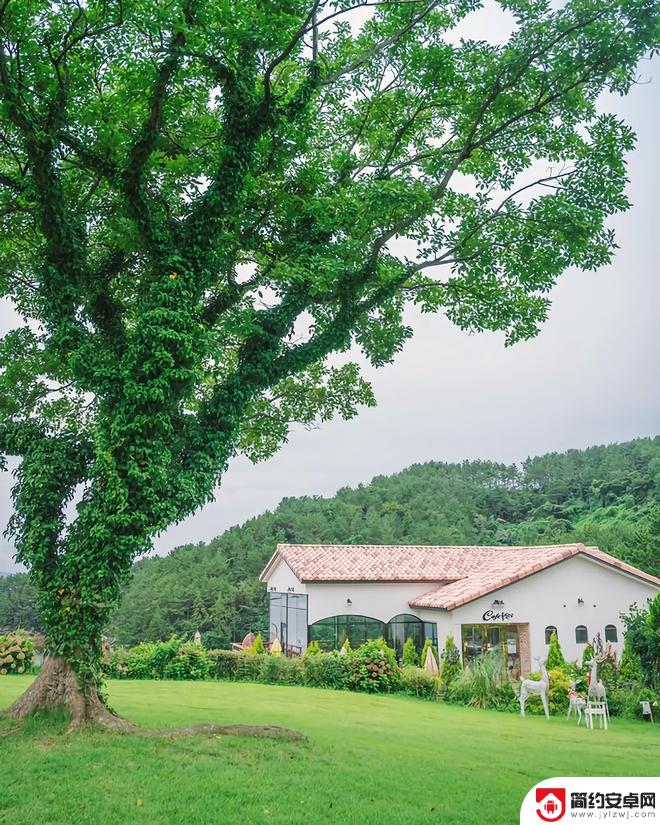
(368, 759)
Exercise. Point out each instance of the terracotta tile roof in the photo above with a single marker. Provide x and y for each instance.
(461, 574)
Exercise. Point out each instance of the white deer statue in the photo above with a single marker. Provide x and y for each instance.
(596, 691)
(576, 703)
(530, 687)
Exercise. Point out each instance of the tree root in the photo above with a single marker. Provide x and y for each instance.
(264, 731)
(57, 686)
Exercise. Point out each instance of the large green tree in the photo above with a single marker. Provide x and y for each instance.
(202, 200)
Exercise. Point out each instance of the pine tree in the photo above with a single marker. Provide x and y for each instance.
(555, 659)
(451, 663)
(410, 656)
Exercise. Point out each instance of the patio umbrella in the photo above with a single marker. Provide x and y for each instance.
(430, 663)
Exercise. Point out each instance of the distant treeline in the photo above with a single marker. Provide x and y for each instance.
(607, 496)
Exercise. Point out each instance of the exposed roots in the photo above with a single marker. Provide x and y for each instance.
(57, 686)
(265, 731)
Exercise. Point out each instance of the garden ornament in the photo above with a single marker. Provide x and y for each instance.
(576, 703)
(596, 690)
(530, 687)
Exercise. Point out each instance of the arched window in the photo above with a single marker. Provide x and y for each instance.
(331, 633)
(611, 634)
(550, 629)
(581, 634)
(402, 627)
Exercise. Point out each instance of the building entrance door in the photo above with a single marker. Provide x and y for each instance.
(503, 639)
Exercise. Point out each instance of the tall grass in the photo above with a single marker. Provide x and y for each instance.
(487, 682)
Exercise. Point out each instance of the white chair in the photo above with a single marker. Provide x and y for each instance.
(598, 709)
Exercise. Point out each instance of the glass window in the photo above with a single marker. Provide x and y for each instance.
(277, 615)
(611, 634)
(288, 620)
(431, 632)
(480, 639)
(550, 629)
(402, 627)
(331, 633)
(581, 634)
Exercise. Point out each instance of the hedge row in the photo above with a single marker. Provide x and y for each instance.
(371, 668)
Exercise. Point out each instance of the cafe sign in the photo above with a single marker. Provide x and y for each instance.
(492, 616)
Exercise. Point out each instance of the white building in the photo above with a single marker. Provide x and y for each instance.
(489, 598)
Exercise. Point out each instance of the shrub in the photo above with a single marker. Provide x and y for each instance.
(258, 646)
(374, 668)
(627, 701)
(278, 670)
(409, 653)
(16, 653)
(329, 670)
(630, 667)
(223, 663)
(346, 647)
(587, 656)
(159, 660)
(418, 682)
(248, 667)
(428, 644)
(555, 659)
(643, 636)
(485, 683)
(313, 649)
(557, 693)
(189, 662)
(451, 664)
(135, 662)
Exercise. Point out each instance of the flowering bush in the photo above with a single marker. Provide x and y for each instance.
(374, 668)
(16, 652)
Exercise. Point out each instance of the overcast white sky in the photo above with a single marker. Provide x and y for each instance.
(590, 377)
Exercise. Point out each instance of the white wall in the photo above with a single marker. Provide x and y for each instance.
(282, 578)
(546, 598)
(550, 597)
(377, 600)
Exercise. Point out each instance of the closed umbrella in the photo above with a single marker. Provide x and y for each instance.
(430, 663)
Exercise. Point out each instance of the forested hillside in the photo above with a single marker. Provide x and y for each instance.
(608, 496)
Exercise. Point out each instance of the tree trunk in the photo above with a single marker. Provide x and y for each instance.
(57, 686)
